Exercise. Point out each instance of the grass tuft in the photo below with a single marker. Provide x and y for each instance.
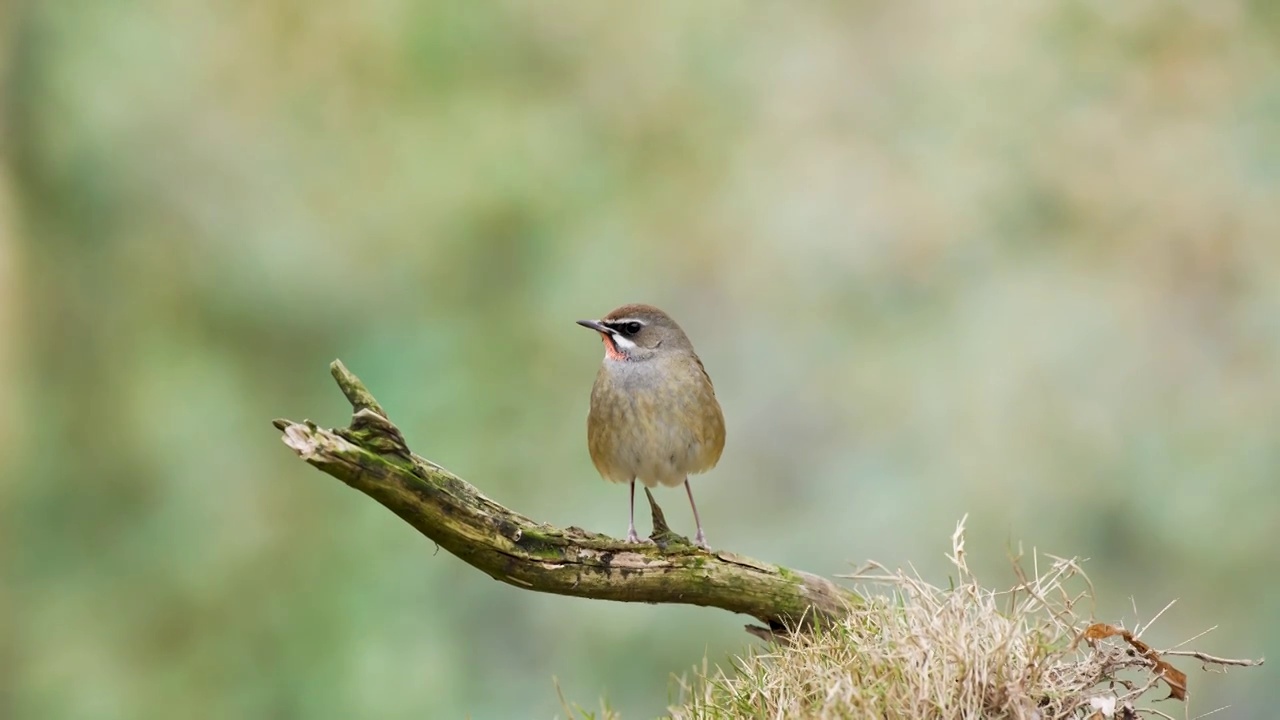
(918, 651)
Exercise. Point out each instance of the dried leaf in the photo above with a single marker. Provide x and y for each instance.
(1176, 679)
(1101, 631)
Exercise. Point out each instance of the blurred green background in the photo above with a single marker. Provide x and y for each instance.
(1019, 260)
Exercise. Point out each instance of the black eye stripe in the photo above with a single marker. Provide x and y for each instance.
(629, 327)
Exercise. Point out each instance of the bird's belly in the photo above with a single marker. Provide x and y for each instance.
(657, 451)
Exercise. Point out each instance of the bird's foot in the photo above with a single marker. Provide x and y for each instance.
(701, 540)
(632, 537)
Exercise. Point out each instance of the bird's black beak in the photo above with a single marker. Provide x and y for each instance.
(595, 325)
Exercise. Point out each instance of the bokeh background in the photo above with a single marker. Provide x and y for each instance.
(1016, 260)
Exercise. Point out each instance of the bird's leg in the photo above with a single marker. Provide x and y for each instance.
(700, 540)
(631, 526)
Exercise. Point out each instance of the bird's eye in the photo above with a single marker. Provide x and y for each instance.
(631, 328)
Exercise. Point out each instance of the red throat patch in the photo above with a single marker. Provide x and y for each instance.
(611, 350)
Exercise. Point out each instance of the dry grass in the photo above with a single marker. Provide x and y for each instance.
(920, 651)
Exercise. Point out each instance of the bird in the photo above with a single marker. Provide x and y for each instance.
(654, 415)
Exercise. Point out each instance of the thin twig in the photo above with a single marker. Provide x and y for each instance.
(1215, 660)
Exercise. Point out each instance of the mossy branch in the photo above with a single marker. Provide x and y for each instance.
(371, 456)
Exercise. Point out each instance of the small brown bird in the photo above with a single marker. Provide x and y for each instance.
(654, 415)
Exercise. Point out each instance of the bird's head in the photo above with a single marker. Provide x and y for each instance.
(639, 332)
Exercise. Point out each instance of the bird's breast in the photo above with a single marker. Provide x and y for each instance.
(657, 429)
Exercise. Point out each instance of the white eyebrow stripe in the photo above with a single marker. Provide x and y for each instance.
(624, 321)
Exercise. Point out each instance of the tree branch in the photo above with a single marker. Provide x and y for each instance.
(371, 456)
